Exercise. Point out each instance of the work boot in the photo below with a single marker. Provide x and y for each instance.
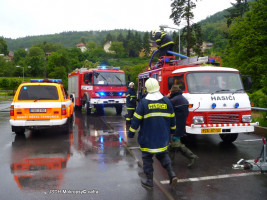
(192, 160)
(172, 175)
(189, 155)
(148, 182)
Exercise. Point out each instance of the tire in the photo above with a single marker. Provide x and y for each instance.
(99, 109)
(66, 127)
(118, 109)
(79, 108)
(229, 138)
(87, 108)
(18, 130)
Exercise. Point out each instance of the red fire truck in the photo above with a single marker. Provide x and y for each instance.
(218, 104)
(100, 87)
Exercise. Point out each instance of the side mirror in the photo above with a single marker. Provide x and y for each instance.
(170, 82)
(247, 82)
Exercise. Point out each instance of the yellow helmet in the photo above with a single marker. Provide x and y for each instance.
(152, 85)
(154, 32)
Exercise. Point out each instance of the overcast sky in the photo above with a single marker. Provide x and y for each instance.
(20, 18)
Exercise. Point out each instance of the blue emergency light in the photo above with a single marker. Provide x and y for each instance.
(106, 67)
(213, 105)
(101, 139)
(46, 80)
(236, 105)
(102, 94)
(120, 93)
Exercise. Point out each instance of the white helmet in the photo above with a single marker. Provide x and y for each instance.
(152, 85)
(131, 84)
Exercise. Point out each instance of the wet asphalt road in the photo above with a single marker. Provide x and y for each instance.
(92, 162)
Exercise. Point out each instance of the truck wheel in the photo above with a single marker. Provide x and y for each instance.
(119, 109)
(229, 138)
(99, 109)
(18, 130)
(87, 108)
(66, 127)
(79, 108)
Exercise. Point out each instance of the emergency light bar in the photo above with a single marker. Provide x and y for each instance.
(46, 80)
(106, 67)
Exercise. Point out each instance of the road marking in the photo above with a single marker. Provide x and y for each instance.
(253, 140)
(204, 178)
(133, 148)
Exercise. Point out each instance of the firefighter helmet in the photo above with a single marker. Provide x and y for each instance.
(131, 84)
(152, 85)
(154, 32)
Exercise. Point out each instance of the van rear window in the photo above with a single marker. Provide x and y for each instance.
(38, 92)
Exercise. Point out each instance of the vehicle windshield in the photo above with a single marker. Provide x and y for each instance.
(109, 79)
(214, 82)
(38, 92)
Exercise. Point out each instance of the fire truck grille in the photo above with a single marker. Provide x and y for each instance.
(223, 118)
(111, 94)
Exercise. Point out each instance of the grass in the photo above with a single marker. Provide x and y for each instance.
(259, 116)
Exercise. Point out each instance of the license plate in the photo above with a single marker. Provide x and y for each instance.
(38, 110)
(211, 130)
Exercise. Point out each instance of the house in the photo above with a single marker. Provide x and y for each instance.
(153, 47)
(106, 47)
(81, 46)
(206, 45)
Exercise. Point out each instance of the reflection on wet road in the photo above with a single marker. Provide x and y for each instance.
(39, 161)
(91, 162)
(100, 135)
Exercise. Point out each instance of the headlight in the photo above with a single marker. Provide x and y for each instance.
(96, 94)
(246, 118)
(198, 120)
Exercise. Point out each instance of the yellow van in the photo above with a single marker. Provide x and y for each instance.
(43, 103)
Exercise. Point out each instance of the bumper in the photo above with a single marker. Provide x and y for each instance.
(221, 128)
(108, 101)
(28, 123)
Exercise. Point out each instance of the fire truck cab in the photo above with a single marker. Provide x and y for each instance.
(218, 104)
(100, 87)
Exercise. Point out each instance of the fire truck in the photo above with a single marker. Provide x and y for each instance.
(99, 87)
(218, 104)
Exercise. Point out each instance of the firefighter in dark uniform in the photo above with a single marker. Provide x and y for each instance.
(164, 42)
(155, 116)
(130, 103)
(180, 105)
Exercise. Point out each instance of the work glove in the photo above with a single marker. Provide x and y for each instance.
(175, 142)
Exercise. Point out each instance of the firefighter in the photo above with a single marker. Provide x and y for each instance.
(180, 105)
(155, 116)
(130, 103)
(164, 42)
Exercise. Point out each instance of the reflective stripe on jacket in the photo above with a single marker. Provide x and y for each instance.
(162, 39)
(156, 119)
(130, 98)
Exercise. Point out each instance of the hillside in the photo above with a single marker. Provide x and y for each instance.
(68, 39)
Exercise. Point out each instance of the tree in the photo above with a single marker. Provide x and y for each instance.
(19, 54)
(145, 44)
(120, 38)
(238, 10)
(109, 37)
(3, 47)
(182, 9)
(117, 47)
(35, 59)
(247, 49)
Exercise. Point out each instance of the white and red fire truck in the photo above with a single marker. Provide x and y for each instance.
(218, 104)
(100, 87)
